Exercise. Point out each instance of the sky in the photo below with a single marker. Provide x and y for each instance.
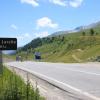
(29, 19)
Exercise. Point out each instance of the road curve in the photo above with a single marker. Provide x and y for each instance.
(81, 78)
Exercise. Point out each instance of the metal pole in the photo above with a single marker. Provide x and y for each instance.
(1, 65)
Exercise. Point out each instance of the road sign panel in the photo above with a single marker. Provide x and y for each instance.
(8, 44)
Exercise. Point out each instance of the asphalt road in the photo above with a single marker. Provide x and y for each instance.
(81, 78)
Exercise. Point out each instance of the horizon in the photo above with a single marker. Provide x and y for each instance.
(29, 19)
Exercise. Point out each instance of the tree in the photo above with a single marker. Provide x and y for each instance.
(83, 33)
(33, 44)
(96, 33)
(92, 32)
(53, 38)
(63, 38)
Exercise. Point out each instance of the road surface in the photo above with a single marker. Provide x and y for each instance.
(81, 78)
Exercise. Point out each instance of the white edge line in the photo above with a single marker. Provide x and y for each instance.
(91, 73)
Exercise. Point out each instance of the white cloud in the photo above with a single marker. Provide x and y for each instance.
(13, 26)
(24, 38)
(46, 22)
(34, 3)
(42, 34)
(70, 3)
(27, 35)
(75, 3)
(21, 37)
(59, 2)
(64, 3)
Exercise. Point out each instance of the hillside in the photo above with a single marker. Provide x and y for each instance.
(72, 47)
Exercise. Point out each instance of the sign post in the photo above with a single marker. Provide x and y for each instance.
(1, 66)
(6, 44)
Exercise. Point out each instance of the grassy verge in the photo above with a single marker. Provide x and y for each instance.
(12, 87)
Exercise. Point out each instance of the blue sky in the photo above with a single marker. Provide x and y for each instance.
(28, 19)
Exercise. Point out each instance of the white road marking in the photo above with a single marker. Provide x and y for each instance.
(55, 82)
(85, 72)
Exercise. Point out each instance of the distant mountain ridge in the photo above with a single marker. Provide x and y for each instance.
(9, 52)
(88, 26)
(77, 29)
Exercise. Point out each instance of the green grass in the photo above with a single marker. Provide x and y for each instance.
(13, 57)
(12, 87)
(83, 48)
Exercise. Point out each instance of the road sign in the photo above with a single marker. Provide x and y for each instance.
(8, 44)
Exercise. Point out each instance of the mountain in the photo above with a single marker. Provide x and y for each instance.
(93, 25)
(77, 29)
(9, 52)
(59, 33)
(63, 32)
